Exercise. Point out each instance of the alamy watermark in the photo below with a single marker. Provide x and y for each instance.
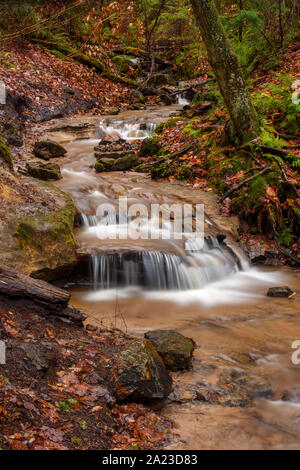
(2, 353)
(149, 221)
(296, 93)
(295, 358)
(2, 92)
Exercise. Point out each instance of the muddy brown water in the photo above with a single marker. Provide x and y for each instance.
(232, 321)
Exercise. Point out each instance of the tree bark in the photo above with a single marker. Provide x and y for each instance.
(225, 65)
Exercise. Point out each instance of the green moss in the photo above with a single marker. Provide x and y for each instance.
(163, 170)
(5, 154)
(38, 233)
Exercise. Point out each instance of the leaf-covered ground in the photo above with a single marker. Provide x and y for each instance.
(68, 404)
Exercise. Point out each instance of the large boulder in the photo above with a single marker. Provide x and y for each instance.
(36, 227)
(139, 372)
(47, 149)
(6, 160)
(44, 171)
(175, 349)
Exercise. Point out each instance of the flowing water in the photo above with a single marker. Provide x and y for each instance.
(208, 292)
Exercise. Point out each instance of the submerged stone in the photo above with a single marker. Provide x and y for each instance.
(47, 149)
(282, 291)
(140, 373)
(175, 349)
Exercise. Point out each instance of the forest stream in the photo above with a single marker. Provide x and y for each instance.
(211, 294)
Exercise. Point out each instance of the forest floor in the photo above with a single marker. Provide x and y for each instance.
(55, 390)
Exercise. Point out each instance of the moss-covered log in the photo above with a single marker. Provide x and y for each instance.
(66, 51)
(225, 65)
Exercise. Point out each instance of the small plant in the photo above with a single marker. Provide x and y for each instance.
(77, 441)
(83, 425)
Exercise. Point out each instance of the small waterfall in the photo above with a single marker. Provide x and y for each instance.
(196, 266)
(155, 270)
(182, 100)
(125, 130)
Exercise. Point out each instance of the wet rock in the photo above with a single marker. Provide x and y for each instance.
(139, 372)
(260, 391)
(100, 167)
(44, 171)
(36, 228)
(110, 138)
(13, 136)
(165, 99)
(260, 255)
(112, 111)
(126, 163)
(175, 349)
(282, 291)
(105, 164)
(114, 155)
(6, 160)
(40, 357)
(150, 147)
(160, 79)
(292, 395)
(143, 167)
(137, 94)
(47, 149)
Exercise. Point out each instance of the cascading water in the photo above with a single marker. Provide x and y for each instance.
(155, 270)
(182, 100)
(126, 130)
(176, 267)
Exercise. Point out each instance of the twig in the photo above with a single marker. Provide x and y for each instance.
(242, 183)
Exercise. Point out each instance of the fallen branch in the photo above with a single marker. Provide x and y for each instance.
(54, 301)
(242, 183)
(198, 85)
(70, 52)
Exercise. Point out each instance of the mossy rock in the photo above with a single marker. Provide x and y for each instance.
(150, 147)
(123, 62)
(126, 163)
(160, 170)
(47, 149)
(139, 373)
(6, 160)
(160, 79)
(105, 164)
(175, 349)
(165, 99)
(44, 171)
(36, 228)
(143, 167)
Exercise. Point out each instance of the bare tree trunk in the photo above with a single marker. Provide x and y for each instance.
(281, 33)
(225, 65)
